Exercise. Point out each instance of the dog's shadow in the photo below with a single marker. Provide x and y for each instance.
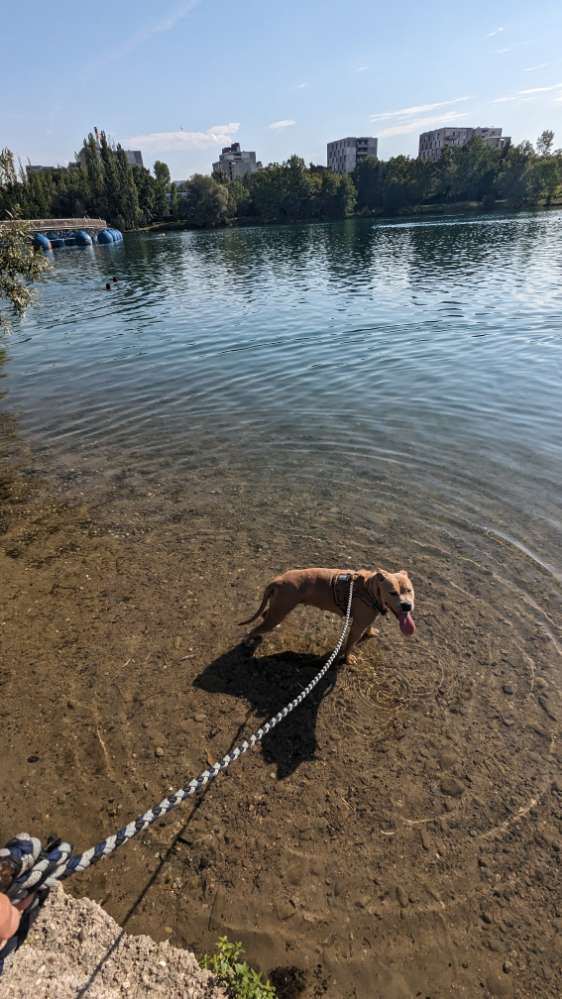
(268, 683)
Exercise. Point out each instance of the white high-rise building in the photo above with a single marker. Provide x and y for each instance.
(235, 163)
(433, 143)
(345, 154)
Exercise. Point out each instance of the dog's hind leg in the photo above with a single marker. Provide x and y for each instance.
(280, 605)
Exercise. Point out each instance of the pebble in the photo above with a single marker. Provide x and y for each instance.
(402, 897)
(546, 707)
(158, 751)
(425, 840)
(284, 910)
(486, 918)
(452, 787)
(507, 967)
(33, 758)
(199, 717)
(507, 688)
(498, 986)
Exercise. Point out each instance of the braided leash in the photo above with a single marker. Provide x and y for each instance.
(27, 868)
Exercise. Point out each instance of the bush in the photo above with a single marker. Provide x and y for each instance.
(240, 981)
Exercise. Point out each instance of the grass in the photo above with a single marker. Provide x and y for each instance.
(234, 974)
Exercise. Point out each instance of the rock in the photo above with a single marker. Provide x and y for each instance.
(486, 918)
(452, 787)
(507, 967)
(425, 839)
(159, 751)
(499, 986)
(507, 688)
(199, 716)
(402, 897)
(546, 707)
(284, 910)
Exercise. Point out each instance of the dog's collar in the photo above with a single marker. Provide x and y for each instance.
(361, 591)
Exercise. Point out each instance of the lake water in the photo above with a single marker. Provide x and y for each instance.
(246, 401)
(421, 360)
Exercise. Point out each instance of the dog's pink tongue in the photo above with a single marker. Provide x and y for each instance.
(407, 626)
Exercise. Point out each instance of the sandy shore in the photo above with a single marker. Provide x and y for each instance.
(75, 949)
(399, 835)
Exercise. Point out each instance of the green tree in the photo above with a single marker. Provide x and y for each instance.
(129, 209)
(368, 177)
(515, 180)
(19, 264)
(174, 201)
(146, 192)
(336, 195)
(10, 188)
(162, 174)
(545, 142)
(207, 202)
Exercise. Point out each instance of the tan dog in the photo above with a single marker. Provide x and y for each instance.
(373, 593)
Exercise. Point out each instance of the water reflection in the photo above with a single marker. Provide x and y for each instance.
(422, 356)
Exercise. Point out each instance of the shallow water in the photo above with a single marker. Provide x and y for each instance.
(239, 403)
(412, 365)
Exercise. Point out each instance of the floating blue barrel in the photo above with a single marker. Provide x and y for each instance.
(41, 242)
(117, 235)
(83, 238)
(104, 236)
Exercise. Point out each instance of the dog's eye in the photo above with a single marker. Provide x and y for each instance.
(393, 593)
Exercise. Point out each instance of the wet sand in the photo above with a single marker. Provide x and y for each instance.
(399, 835)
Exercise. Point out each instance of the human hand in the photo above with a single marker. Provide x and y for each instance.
(9, 919)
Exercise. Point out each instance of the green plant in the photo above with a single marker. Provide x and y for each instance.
(240, 981)
(20, 264)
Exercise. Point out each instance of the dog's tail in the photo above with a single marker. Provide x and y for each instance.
(266, 595)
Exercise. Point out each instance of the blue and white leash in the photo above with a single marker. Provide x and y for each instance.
(26, 867)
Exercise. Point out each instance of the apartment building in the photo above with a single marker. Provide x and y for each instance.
(235, 163)
(345, 154)
(432, 144)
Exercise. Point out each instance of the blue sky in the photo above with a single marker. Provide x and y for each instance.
(178, 80)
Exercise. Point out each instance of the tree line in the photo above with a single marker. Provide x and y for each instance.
(476, 173)
(103, 183)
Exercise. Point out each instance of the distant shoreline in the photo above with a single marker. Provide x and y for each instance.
(421, 211)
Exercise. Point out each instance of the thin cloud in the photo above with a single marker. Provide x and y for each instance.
(217, 135)
(284, 123)
(302, 86)
(422, 124)
(505, 100)
(418, 109)
(502, 51)
(166, 23)
(533, 69)
(361, 69)
(496, 31)
(542, 90)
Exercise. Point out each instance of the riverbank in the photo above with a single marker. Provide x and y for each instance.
(75, 949)
(457, 208)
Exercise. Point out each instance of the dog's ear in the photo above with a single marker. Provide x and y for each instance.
(379, 576)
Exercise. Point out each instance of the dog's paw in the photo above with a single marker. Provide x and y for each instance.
(351, 659)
